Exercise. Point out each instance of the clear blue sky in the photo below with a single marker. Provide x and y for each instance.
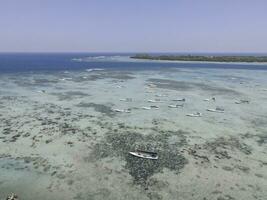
(133, 25)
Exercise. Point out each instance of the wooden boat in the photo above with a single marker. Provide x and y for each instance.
(242, 101)
(127, 100)
(120, 110)
(154, 101)
(198, 114)
(155, 107)
(176, 106)
(146, 108)
(213, 98)
(161, 95)
(183, 99)
(144, 154)
(215, 110)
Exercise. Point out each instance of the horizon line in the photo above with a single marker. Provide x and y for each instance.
(128, 52)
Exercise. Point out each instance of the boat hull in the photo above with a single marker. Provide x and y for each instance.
(145, 155)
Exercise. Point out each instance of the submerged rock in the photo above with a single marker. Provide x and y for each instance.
(186, 86)
(118, 144)
(12, 197)
(107, 110)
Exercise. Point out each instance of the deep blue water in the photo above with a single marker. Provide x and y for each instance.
(23, 62)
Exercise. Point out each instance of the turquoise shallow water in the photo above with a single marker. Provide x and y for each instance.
(66, 134)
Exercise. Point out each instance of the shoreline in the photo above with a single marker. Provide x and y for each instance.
(201, 62)
(130, 59)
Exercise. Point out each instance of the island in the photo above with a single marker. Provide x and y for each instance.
(249, 59)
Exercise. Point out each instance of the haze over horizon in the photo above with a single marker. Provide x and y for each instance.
(136, 26)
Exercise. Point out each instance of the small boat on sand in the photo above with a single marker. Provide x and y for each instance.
(146, 108)
(161, 95)
(213, 98)
(242, 101)
(151, 101)
(176, 106)
(183, 99)
(144, 154)
(154, 101)
(127, 99)
(120, 110)
(215, 110)
(197, 114)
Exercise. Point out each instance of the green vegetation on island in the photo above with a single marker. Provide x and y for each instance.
(202, 58)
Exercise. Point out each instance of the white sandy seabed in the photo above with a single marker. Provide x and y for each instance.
(61, 137)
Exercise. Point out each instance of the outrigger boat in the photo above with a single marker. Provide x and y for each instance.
(144, 154)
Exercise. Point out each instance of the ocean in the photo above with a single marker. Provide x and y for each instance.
(23, 62)
(69, 121)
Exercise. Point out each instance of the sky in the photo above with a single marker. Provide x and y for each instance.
(133, 26)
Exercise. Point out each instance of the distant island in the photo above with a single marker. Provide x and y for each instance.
(248, 59)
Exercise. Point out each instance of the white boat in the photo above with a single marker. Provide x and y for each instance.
(160, 95)
(121, 110)
(65, 79)
(213, 98)
(144, 154)
(197, 114)
(154, 101)
(146, 108)
(41, 91)
(172, 106)
(215, 110)
(118, 110)
(151, 85)
(127, 99)
(176, 106)
(151, 101)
